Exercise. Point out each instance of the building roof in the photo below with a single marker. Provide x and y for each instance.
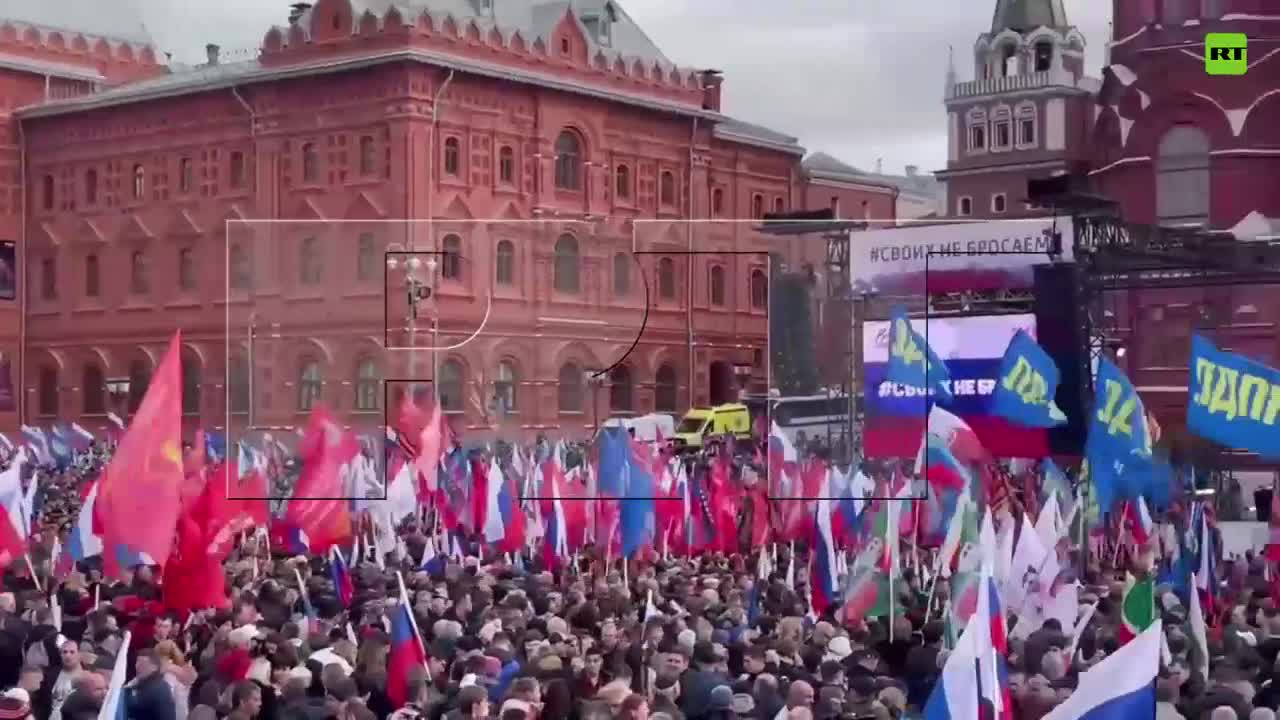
(119, 20)
(204, 78)
(534, 19)
(1027, 15)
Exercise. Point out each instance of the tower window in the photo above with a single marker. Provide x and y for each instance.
(1044, 56)
(998, 203)
(964, 207)
(978, 137)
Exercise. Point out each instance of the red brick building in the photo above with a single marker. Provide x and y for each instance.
(1175, 146)
(1025, 114)
(535, 149)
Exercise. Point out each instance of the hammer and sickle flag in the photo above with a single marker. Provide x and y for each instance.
(140, 496)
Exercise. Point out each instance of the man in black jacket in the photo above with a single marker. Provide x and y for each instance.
(148, 696)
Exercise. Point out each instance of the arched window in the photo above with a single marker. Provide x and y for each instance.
(139, 381)
(1043, 55)
(91, 186)
(366, 258)
(506, 165)
(310, 164)
(310, 265)
(310, 385)
(238, 384)
(504, 388)
(620, 389)
(566, 264)
(452, 157)
(451, 259)
(186, 269)
(505, 263)
(757, 206)
(92, 277)
(186, 176)
(139, 182)
(1008, 59)
(569, 389)
(190, 386)
(46, 194)
(665, 389)
(93, 390)
(48, 392)
(623, 178)
(1182, 177)
(237, 170)
(759, 290)
(368, 155)
(715, 286)
(241, 270)
(368, 386)
(449, 385)
(622, 274)
(717, 202)
(667, 278)
(568, 161)
(139, 283)
(667, 188)
(779, 205)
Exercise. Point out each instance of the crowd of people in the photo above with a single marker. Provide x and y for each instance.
(663, 637)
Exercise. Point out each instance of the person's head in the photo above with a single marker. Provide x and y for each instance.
(473, 702)
(148, 663)
(246, 697)
(608, 634)
(592, 662)
(635, 707)
(69, 652)
(92, 684)
(528, 690)
(1262, 713)
(667, 686)
(753, 660)
(1223, 712)
(800, 694)
(1053, 666)
(164, 628)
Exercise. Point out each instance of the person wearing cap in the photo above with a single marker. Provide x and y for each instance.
(15, 704)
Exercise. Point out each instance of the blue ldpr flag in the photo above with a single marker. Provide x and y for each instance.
(1027, 385)
(1119, 446)
(1233, 400)
(912, 362)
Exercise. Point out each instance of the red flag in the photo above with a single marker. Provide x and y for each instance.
(319, 506)
(145, 476)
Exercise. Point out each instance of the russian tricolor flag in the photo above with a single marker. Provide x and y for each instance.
(823, 580)
(974, 684)
(1120, 687)
(342, 584)
(406, 651)
(82, 542)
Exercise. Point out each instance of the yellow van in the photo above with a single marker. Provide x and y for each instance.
(703, 422)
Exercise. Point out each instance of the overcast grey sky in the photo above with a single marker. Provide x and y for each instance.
(859, 79)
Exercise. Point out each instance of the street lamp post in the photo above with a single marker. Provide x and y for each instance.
(418, 290)
(118, 388)
(594, 379)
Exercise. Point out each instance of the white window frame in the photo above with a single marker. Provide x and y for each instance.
(1004, 199)
(960, 202)
(977, 118)
(1001, 115)
(1026, 111)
